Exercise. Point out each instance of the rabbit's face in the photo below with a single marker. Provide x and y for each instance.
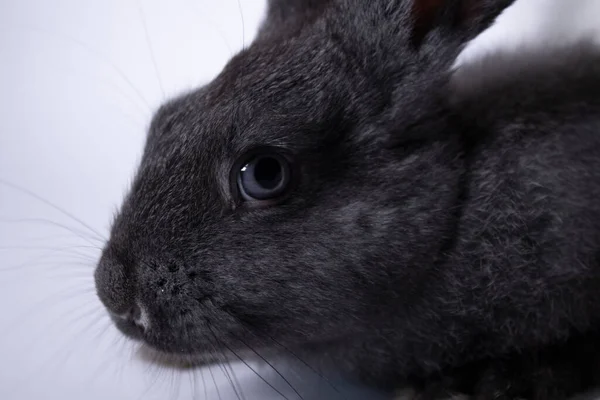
(282, 203)
(267, 207)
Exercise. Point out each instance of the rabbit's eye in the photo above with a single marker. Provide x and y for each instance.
(264, 177)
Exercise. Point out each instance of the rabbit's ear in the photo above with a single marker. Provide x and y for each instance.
(289, 15)
(469, 16)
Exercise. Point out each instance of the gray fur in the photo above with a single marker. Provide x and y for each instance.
(436, 222)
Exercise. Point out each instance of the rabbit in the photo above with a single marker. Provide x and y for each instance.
(340, 192)
(530, 226)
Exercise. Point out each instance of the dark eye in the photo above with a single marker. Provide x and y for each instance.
(264, 177)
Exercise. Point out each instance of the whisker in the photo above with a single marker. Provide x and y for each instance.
(79, 273)
(99, 318)
(49, 361)
(192, 383)
(155, 364)
(271, 366)
(36, 308)
(203, 383)
(102, 367)
(246, 364)
(175, 387)
(217, 350)
(235, 380)
(243, 24)
(139, 113)
(138, 116)
(95, 53)
(103, 331)
(149, 44)
(75, 275)
(123, 341)
(54, 249)
(288, 350)
(54, 236)
(81, 234)
(228, 377)
(212, 24)
(223, 366)
(215, 382)
(76, 318)
(36, 262)
(48, 203)
(84, 263)
(188, 336)
(303, 362)
(78, 270)
(49, 254)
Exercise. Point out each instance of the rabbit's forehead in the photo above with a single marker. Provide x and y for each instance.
(266, 95)
(262, 98)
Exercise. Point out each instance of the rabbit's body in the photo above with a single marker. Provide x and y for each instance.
(529, 226)
(408, 225)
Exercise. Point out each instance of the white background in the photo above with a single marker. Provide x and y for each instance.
(79, 80)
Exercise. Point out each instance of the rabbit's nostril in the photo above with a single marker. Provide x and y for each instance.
(140, 316)
(136, 315)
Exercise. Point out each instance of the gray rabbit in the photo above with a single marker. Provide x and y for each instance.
(340, 192)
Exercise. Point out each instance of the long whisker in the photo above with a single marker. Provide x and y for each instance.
(96, 54)
(215, 382)
(192, 383)
(288, 350)
(99, 318)
(203, 383)
(243, 24)
(103, 331)
(271, 366)
(247, 365)
(102, 367)
(154, 364)
(139, 113)
(151, 50)
(123, 342)
(79, 273)
(23, 247)
(49, 360)
(175, 388)
(34, 261)
(235, 380)
(49, 204)
(81, 234)
(76, 275)
(223, 368)
(77, 317)
(213, 25)
(46, 301)
(303, 362)
(225, 372)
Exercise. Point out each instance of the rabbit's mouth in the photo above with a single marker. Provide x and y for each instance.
(179, 361)
(189, 351)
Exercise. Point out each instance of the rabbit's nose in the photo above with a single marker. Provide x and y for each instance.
(135, 316)
(132, 323)
(115, 287)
